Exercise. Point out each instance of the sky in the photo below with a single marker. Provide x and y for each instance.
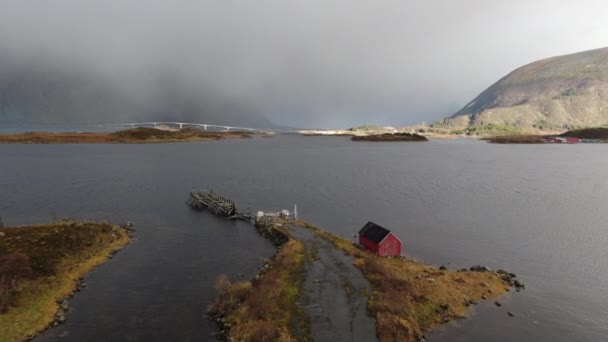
(306, 63)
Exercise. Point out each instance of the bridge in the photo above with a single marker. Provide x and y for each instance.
(181, 125)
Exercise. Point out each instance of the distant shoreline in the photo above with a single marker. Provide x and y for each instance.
(406, 137)
(130, 136)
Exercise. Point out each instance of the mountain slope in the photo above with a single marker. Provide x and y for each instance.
(551, 94)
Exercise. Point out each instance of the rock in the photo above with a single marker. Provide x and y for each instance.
(83, 284)
(2, 234)
(65, 304)
(484, 284)
(443, 268)
(490, 291)
(64, 333)
(480, 268)
(518, 283)
(462, 270)
(512, 275)
(497, 303)
(484, 297)
(444, 307)
(510, 314)
(60, 317)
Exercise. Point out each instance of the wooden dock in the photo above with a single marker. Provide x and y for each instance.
(215, 203)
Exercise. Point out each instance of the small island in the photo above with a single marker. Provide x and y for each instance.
(390, 137)
(584, 135)
(43, 265)
(407, 298)
(133, 136)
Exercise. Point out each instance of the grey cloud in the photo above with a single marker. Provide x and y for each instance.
(303, 63)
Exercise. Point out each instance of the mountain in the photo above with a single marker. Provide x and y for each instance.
(552, 94)
(41, 94)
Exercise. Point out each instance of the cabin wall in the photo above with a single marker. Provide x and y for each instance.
(368, 244)
(390, 246)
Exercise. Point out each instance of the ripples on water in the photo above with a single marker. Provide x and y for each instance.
(538, 210)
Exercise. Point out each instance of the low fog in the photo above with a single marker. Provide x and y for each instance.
(308, 63)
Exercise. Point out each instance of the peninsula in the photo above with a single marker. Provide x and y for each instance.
(315, 276)
(43, 265)
(133, 136)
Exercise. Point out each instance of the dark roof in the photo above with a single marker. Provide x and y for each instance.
(374, 232)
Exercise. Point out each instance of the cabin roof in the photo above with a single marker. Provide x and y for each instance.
(374, 232)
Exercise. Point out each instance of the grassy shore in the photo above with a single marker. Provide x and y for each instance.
(135, 135)
(409, 297)
(264, 309)
(43, 264)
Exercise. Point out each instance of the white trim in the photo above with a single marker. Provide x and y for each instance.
(389, 233)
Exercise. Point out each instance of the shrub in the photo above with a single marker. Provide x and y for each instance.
(13, 268)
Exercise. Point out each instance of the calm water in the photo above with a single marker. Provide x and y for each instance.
(539, 211)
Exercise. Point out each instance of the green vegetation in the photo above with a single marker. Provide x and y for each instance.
(443, 123)
(42, 264)
(264, 309)
(489, 129)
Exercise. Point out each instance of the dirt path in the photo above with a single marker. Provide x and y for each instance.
(335, 292)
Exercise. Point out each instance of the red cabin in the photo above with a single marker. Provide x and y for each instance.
(379, 240)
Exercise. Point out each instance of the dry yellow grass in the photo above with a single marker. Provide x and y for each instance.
(265, 309)
(135, 135)
(35, 302)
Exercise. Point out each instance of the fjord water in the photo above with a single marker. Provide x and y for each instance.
(536, 210)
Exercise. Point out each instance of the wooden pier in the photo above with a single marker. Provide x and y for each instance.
(216, 203)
